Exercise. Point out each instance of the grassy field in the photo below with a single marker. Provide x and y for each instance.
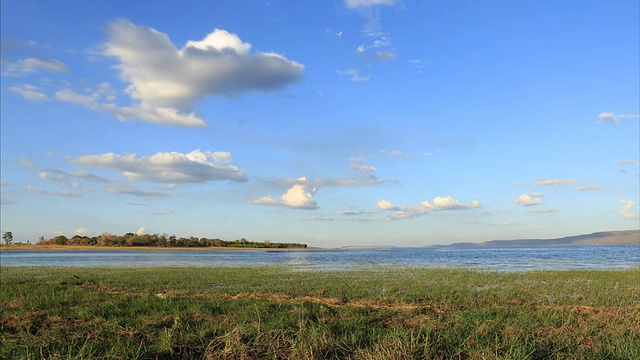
(275, 313)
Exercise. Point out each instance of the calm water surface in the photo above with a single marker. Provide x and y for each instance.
(505, 259)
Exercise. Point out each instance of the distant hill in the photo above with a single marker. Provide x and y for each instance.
(598, 238)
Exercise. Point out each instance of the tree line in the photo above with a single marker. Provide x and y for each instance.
(164, 240)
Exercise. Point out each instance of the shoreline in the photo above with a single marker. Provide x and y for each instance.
(106, 248)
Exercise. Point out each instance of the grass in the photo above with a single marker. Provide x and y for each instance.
(276, 313)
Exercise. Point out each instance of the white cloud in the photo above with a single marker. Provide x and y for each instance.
(31, 65)
(589, 187)
(171, 167)
(528, 199)
(385, 205)
(29, 92)
(354, 4)
(82, 231)
(439, 203)
(222, 157)
(299, 196)
(164, 77)
(615, 119)
(554, 182)
(627, 211)
(141, 230)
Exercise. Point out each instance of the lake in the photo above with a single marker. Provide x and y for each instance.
(503, 259)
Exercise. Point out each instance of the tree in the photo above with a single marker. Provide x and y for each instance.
(7, 237)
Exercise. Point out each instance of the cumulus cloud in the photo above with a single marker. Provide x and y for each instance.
(32, 65)
(614, 119)
(168, 167)
(29, 92)
(626, 211)
(168, 80)
(439, 203)
(554, 182)
(141, 230)
(386, 205)
(299, 196)
(528, 199)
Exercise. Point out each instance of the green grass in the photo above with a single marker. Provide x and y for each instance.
(276, 313)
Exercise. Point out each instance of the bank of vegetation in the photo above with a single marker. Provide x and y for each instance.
(163, 241)
(277, 313)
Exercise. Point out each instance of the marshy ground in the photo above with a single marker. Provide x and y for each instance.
(277, 313)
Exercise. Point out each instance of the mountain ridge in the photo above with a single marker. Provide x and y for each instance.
(624, 237)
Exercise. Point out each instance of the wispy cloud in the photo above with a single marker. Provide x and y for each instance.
(589, 187)
(627, 162)
(30, 92)
(126, 190)
(31, 65)
(64, 177)
(614, 119)
(62, 193)
(26, 163)
(356, 163)
(543, 211)
(554, 182)
(626, 211)
(355, 4)
(354, 75)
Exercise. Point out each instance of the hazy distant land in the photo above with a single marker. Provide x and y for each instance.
(628, 237)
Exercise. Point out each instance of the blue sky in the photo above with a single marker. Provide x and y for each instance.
(355, 122)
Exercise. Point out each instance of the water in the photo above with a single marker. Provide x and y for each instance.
(503, 259)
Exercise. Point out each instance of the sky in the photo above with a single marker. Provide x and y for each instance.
(330, 123)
